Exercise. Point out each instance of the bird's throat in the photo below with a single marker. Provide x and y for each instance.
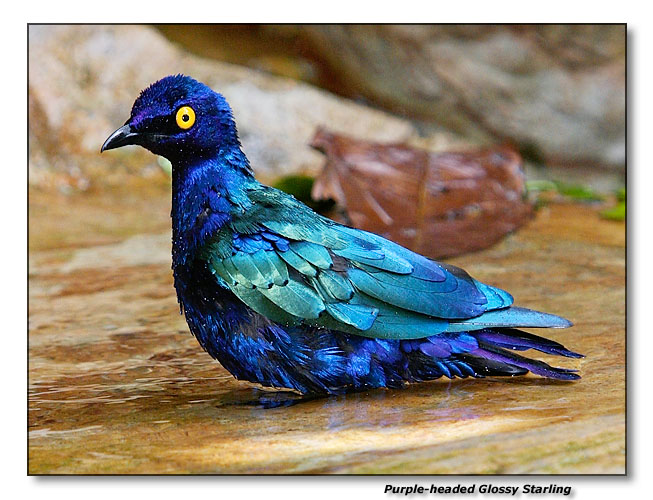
(205, 197)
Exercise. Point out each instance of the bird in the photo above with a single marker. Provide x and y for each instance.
(288, 299)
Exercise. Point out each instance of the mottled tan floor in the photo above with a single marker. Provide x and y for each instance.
(118, 385)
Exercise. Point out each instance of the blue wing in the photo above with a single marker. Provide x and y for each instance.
(310, 270)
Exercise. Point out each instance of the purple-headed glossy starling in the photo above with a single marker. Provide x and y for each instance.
(287, 298)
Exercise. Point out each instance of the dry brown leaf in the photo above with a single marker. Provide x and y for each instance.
(438, 204)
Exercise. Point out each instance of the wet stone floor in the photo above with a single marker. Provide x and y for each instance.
(118, 385)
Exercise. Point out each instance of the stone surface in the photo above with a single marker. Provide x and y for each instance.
(556, 90)
(118, 385)
(83, 81)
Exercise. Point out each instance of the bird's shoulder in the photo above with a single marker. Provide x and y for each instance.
(270, 206)
(262, 215)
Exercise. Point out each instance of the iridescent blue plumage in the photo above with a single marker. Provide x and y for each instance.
(284, 297)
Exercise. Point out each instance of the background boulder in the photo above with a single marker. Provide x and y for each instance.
(84, 79)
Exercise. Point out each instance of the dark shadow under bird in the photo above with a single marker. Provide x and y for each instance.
(286, 298)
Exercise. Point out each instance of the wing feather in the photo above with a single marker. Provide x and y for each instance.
(283, 267)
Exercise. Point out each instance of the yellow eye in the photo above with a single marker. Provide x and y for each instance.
(185, 117)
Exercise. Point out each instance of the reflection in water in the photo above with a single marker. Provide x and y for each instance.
(269, 399)
(205, 399)
(441, 401)
(186, 389)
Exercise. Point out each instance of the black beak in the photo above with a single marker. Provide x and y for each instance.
(121, 137)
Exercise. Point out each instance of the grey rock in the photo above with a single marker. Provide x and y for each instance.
(84, 79)
(558, 91)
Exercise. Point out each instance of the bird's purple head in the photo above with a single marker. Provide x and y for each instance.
(178, 118)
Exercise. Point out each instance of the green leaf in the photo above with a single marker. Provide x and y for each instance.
(576, 192)
(621, 194)
(617, 212)
(300, 186)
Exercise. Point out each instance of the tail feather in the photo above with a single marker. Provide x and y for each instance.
(481, 353)
(498, 346)
(514, 339)
(495, 354)
(532, 365)
(486, 367)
